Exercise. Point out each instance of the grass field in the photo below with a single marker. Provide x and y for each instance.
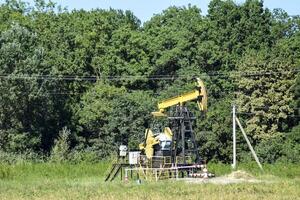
(86, 181)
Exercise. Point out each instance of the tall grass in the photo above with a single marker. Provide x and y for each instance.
(25, 171)
(28, 170)
(281, 170)
(86, 181)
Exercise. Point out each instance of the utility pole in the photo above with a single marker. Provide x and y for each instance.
(234, 137)
(234, 121)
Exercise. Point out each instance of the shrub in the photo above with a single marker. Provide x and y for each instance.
(17, 158)
(270, 150)
(291, 147)
(83, 156)
(61, 148)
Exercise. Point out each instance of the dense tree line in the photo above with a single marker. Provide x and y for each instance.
(100, 73)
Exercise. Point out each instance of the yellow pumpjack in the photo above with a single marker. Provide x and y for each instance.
(177, 140)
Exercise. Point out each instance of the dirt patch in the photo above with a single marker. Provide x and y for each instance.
(240, 175)
(234, 177)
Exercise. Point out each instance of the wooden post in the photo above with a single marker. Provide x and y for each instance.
(249, 144)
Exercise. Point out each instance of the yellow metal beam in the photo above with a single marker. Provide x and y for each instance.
(198, 94)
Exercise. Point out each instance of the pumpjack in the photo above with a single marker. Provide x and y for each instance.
(177, 140)
(173, 150)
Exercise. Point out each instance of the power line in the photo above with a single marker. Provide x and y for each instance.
(263, 114)
(71, 77)
(156, 77)
(266, 107)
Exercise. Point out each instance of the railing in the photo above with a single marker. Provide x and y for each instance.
(155, 174)
(184, 160)
(163, 161)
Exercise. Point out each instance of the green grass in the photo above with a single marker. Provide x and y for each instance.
(279, 170)
(86, 181)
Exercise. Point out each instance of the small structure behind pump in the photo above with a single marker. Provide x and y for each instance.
(173, 152)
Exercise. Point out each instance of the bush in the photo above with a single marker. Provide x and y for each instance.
(83, 156)
(282, 148)
(61, 149)
(17, 158)
(291, 148)
(270, 150)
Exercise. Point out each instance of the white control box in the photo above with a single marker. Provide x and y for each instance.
(134, 157)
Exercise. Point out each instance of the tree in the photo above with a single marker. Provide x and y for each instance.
(61, 148)
(265, 93)
(111, 116)
(213, 132)
(235, 28)
(23, 104)
(100, 73)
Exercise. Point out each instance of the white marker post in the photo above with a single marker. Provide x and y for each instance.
(233, 137)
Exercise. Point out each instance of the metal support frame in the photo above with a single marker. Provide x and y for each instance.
(181, 120)
(116, 169)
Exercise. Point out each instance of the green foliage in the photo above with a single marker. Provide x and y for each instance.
(291, 147)
(21, 105)
(83, 156)
(214, 133)
(296, 90)
(236, 28)
(267, 97)
(20, 158)
(269, 151)
(110, 116)
(61, 148)
(89, 71)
